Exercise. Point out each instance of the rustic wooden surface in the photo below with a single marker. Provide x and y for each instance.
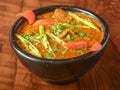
(104, 76)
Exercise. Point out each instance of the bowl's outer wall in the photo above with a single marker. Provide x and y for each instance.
(56, 72)
(60, 72)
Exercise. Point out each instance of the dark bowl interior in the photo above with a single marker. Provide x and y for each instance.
(59, 71)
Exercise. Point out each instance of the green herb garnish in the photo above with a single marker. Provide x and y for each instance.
(57, 29)
(55, 38)
(32, 37)
(82, 51)
(76, 51)
(32, 49)
(48, 55)
(56, 49)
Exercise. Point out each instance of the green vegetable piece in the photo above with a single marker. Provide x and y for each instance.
(63, 52)
(41, 31)
(68, 38)
(26, 36)
(32, 38)
(55, 38)
(82, 51)
(48, 55)
(57, 29)
(29, 45)
(73, 26)
(55, 47)
(82, 34)
(44, 40)
(84, 21)
(76, 51)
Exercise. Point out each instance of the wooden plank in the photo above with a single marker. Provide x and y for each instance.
(7, 57)
(104, 76)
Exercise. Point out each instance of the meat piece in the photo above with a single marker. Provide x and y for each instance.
(59, 15)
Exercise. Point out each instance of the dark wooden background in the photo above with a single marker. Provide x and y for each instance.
(104, 76)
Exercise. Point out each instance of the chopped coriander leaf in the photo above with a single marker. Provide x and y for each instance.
(56, 49)
(48, 55)
(33, 38)
(82, 51)
(32, 49)
(63, 52)
(55, 38)
(76, 51)
(57, 29)
(82, 34)
(59, 26)
(26, 36)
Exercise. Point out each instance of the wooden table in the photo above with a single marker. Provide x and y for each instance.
(104, 76)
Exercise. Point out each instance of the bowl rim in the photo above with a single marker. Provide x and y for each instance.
(17, 49)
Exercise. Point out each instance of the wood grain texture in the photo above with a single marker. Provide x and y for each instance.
(104, 76)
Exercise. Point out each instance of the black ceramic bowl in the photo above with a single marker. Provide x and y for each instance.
(59, 71)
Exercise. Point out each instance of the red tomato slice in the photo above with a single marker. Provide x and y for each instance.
(29, 15)
(96, 46)
(76, 45)
(43, 22)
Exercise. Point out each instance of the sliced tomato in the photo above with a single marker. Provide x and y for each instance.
(43, 22)
(96, 46)
(76, 45)
(29, 15)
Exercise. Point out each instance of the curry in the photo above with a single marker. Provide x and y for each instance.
(59, 34)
